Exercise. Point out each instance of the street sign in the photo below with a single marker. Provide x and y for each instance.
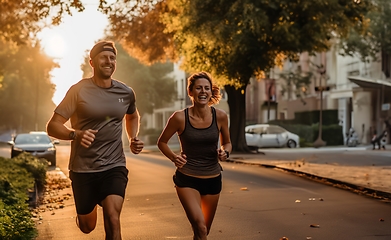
(322, 88)
(385, 107)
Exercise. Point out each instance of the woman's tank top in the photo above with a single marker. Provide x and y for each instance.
(200, 146)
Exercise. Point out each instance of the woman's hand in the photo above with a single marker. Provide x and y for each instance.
(179, 160)
(222, 155)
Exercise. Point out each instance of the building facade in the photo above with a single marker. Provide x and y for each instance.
(361, 92)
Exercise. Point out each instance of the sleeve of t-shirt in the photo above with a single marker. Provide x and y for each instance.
(132, 103)
(68, 105)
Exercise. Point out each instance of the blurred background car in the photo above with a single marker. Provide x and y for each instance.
(38, 144)
(267, 135)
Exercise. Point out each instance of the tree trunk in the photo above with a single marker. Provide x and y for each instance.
(237, 116)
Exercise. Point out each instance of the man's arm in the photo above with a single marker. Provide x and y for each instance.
(57, 129)
(132, 123)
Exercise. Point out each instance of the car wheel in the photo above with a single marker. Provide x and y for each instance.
(53, 162)
(252, 148)
(291, 143)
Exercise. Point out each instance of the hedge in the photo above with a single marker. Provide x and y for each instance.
(18, 177)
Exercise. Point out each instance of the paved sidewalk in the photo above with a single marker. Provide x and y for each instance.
(364, 176)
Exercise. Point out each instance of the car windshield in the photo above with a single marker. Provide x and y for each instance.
(32, 139)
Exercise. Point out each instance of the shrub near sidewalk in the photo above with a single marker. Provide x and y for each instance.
(18, 177)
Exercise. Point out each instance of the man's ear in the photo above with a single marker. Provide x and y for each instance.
(91, 63)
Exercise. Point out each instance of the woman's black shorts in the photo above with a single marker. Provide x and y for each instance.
(90, 189)
(204, 186)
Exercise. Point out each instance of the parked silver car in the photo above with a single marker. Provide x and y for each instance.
(267, 135)
(38, 144)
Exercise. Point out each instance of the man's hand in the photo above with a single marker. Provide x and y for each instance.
(86, 137)
(136, 145)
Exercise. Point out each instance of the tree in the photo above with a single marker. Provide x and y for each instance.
(153, 86)
(26, 90)
(20, 20)
(25, 87)
(375, 39)
(295, 82)
(141, 31)
(238, 39)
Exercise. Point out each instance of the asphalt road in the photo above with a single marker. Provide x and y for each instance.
(261, 203)
(256, 203)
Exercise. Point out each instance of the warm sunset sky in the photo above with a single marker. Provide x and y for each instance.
(69, 42)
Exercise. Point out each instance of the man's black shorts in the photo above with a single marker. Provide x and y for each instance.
(204, 186)
(89, 189)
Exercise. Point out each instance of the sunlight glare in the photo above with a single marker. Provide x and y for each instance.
(55, 46)
(69, 43)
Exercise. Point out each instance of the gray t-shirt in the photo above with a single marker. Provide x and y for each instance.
(89, 106)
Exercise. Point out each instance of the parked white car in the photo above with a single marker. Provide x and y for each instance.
(267, 135)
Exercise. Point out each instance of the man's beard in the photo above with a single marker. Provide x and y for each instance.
(104, 75)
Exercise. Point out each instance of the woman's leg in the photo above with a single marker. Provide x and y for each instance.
(191, 202)
(209, 206)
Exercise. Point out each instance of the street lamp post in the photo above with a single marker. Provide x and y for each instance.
(319, 142)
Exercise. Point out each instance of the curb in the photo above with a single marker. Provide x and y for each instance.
(368, 192)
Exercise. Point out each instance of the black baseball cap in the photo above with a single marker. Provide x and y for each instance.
(102, 46)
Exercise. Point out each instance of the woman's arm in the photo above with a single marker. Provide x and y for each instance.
(225, 140)
(174, 125)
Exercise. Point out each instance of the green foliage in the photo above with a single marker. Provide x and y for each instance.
(253, 36)
(16, 222)
(375, 37)
(37, 167)
(295, 82)
(329, 117)
(18, 176)
(331, 134)
(14, 182)
(19, 19)
(306, 125)
(237, 39)
(141, 30)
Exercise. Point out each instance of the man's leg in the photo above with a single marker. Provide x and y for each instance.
(87, 222)
(378, 144)
(112, 206)
(113, 189)
(86, 206)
